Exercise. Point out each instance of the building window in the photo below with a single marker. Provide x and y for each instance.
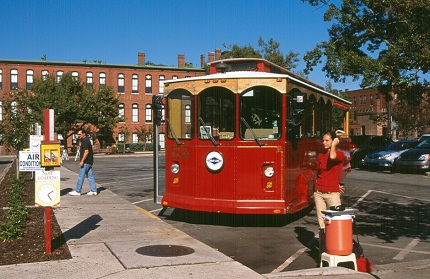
(187, 114)
(1, 78)
(148, 84)
(371, 99)
(59, 76)
(364, 99)
(121, 137)
(134, 138)
(1, 110)
(121, 113)
(175, 77)
(361, 100)
(29, 82)
(45, 74)
(75, 76)
(355, 101)
(135, 113)
(161, 84)
(148, 113)
(135, 84)
(102, 80)
(13, 79)
(162, 113)
(89, 80)
(120, 83)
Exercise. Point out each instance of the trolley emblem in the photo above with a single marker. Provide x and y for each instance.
(214, 161)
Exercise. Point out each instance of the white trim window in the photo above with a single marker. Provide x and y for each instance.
(135, 113)
(148, 113)
(135, 83)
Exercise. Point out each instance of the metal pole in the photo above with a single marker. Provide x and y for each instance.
(155, 155)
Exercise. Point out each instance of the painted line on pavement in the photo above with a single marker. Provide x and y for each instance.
(147, 212)
(290, 260)
(409, 248)
(136, 202)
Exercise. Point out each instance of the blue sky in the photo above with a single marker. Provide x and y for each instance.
(115, 31)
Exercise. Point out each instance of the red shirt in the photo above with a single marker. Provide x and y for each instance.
(328, 176)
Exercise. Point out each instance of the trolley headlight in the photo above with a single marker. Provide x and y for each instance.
(269, 171)
(174, 168)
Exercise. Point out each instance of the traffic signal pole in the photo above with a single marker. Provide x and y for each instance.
(157, 106)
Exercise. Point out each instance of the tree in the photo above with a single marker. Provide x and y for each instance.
(385, 44)
(269, 51)
(76, 106)
(15, 127)
(125, 130)
(143, 135)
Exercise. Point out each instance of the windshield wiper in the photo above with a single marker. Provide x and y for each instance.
(252, 132)
(173, 132)
(208, 132)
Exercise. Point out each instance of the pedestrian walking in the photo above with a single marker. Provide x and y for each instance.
(86, 160)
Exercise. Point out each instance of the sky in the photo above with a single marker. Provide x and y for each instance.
(115, 31)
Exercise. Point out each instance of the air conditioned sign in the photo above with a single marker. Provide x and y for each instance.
(29, 161)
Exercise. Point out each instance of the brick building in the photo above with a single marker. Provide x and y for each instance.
(365, 103)
(134, 84)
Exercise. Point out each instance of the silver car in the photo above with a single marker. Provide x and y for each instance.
(384, 159)
(415, 159)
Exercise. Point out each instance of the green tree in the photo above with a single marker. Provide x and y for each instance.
(76, 105)
(384, 44)
(143, 135)
(380, 42)
(15, 127)
(269, 51)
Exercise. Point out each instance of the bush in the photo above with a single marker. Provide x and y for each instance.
(17, 213)
(134, 147)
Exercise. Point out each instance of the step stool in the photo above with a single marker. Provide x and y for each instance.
(334, 260)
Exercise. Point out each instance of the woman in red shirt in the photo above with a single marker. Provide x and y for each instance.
(329, 167)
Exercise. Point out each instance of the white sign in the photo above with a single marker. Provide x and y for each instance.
(47, 188)
(29, 161)
(35, 143)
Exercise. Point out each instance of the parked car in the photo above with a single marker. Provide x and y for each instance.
(414, 160)
(372, 144)
(358, 140)
(424, 137)
(384, 159)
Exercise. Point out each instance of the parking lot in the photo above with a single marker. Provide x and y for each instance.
(392, 217)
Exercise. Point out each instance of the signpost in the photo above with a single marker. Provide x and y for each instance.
(47, 186)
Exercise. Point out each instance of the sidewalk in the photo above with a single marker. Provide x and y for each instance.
(109, 237)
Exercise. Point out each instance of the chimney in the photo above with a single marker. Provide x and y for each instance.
(181, 60)
(217, 54)
(211, 57)
(140, 58)
(202, 60)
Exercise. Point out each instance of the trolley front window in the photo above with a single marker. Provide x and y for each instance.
(216, 114)
(260, 113)
(180, 115)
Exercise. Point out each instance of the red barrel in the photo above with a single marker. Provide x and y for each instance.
(338, 234)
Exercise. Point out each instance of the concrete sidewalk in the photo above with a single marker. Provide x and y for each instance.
(109, 237)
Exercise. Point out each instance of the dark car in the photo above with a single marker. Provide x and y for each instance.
(414, 160)
(357, 141)
(372, 144)
(384, 159)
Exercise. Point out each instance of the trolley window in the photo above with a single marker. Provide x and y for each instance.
(260, 113)
(216, 119)
(180, 115)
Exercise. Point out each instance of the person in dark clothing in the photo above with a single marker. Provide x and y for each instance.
(86, 166)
